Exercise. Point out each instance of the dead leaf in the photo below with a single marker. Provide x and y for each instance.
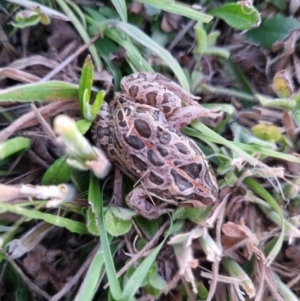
(237, 236)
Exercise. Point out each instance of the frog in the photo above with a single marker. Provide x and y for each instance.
(139, 131)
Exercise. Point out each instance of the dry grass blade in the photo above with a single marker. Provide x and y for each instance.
(28, 119)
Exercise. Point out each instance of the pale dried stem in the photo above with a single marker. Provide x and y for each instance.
(216, 264)
(44, 123)
(28, 120)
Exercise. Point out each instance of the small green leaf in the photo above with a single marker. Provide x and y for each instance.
(221, 52)
(282, 84)
(242, 134)
(149, 228)
(87, 110)
(91, 222)
(26, 18)
(201, 38)
(97, 103)
(83, 125)
(272, 30)
(238, 16)
(153, 291)
(116, 226)
(86, 82)
(59, 172)
(198, 215)
(45, 20)
(267, 132)
(212, 38)
(122, 213)
(13, 146)
(158, 282)
(279, 103)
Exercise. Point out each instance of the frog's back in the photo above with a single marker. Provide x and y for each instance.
(170, 165)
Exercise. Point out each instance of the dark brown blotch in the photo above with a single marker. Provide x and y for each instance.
(133, 91)
(154, 159)
(138, 163)
(142, 128)
(121, 99)
(181, 182)
(193, 170)
(167, 96)
(147, 86)
(151, 98)
(162, 150)
(154, 178)
(163, 136)
(134, 141)
(161, 77)
(196, 149)
(166, 109)
(117, 144)
(182, 148)
(121, 120)
(141, 110)
(103, 132)
(142, 75)
(120, 116)
(127, 111)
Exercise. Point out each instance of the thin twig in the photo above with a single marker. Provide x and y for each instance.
(69, 59)
(28, 119)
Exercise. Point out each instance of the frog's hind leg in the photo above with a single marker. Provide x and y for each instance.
(137, 200)
(184, 116)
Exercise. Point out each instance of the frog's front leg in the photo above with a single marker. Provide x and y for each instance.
(184, 116)
(137, 200)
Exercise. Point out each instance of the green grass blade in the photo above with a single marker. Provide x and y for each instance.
(137, 278)
(13, 146)
(96, 200)
(179, 9)
(121, 8)
(90, 283)
(73, 226)
(86, 82)
(82, 32)
(134, 56)
(48, 11)
(48, 91)
(255, 187)
(206, 134)
(138, 35)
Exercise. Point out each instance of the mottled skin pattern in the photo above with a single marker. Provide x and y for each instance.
(168, 165)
